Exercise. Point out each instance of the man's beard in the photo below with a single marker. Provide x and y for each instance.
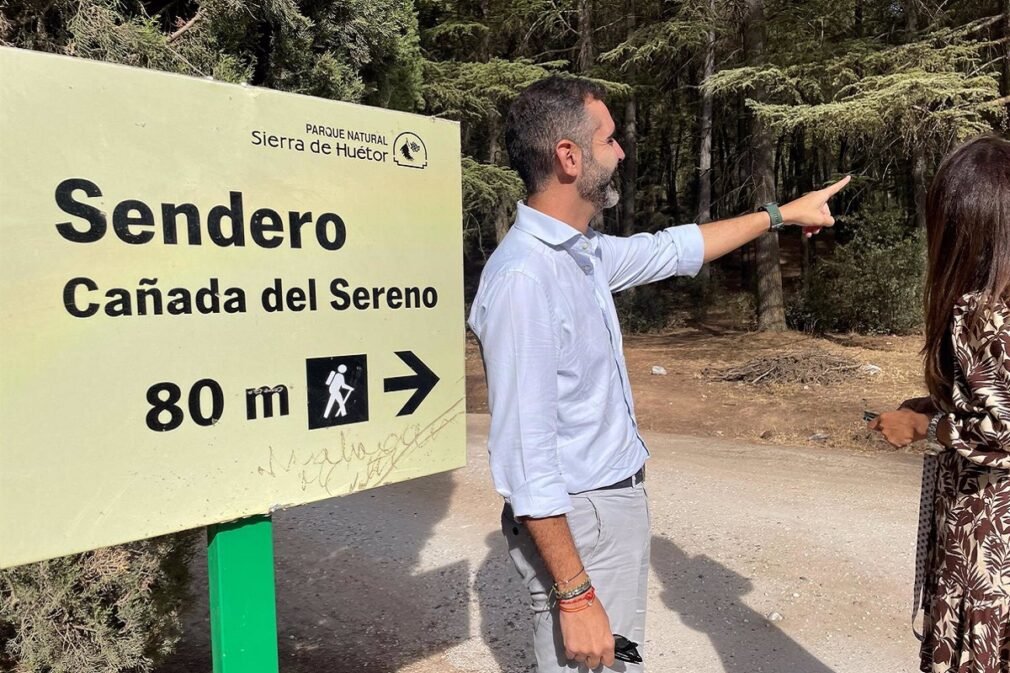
(596, 185)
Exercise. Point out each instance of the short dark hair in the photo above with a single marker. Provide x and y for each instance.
(545, 113)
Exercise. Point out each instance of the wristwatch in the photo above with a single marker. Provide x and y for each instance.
(775, 214)
(934, 424)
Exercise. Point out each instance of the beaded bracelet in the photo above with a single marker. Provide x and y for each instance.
(574, 593)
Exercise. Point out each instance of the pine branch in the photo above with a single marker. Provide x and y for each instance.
(182, 58)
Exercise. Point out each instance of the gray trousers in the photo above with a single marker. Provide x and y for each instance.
(611, 532)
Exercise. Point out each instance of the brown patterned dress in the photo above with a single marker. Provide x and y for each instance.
(967, 590)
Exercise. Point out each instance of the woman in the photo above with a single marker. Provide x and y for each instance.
(966, 591)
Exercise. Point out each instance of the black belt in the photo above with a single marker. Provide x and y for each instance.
(636, 478)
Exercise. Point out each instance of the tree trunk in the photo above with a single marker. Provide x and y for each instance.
(501, 213)
(735, 164)
(501, 220)
(803, 182)
(918, 149)
(484, 54)
(705, 135)
(493, 131)
(585, 56)
(1005, 80)
(704, 213)
(673, 193)
(911, 19)
(919, 186)
(261, 75)
(629, 174)
(771, 305)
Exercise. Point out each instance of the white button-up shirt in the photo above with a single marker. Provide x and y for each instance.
(562, 417)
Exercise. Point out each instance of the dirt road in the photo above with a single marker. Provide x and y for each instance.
(413, 577)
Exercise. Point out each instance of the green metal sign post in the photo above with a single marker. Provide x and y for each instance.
(243, 609)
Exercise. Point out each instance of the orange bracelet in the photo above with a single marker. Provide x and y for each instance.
(578, 609)
(587, 599)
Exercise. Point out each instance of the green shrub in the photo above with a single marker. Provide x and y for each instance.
(683, 300)
(644, 308)
(104, 611)
(872, 284)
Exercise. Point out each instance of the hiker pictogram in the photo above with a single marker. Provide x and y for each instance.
(337, 390)
(338, 385)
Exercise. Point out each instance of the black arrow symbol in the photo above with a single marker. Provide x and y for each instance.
(421, 382)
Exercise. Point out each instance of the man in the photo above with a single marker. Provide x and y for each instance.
(564, 444)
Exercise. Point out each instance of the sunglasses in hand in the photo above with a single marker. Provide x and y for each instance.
(626, 650)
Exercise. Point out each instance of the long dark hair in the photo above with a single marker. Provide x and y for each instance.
(968, 232)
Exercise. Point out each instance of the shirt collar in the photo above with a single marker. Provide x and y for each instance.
(544, 227)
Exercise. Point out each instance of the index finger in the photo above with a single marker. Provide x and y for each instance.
(831, 190)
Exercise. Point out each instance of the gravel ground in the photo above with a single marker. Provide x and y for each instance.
(764, 559)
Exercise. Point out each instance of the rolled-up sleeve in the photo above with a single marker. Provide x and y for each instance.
(516, 327)
(644, 258)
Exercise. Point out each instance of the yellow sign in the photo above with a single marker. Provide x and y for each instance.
(216, 301)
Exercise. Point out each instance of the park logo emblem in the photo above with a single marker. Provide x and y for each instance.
(409, 151)
(337, 390)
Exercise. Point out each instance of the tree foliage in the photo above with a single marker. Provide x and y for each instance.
(109, 610)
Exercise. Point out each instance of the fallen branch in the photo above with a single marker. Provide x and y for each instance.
(1005, 100)
(806, 367)
(186, 26)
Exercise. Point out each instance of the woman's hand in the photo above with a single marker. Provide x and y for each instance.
(902, 427)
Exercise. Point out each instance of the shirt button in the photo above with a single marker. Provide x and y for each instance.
(585, 246)
(587, 268)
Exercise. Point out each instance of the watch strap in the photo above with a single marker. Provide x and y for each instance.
(934, 424)
(775, 214)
